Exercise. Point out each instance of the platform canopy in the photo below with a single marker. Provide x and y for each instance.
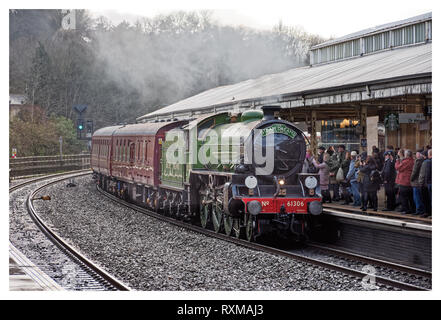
(387, 74)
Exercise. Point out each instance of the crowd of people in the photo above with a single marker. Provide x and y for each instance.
(357, 178)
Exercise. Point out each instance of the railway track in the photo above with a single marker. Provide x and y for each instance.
(366, 274)
(88, 276)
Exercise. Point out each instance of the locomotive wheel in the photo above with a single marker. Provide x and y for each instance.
(236, 228)
(217, 218)
(250, 228)
(172, 209)
(205, 214)
(228, 224)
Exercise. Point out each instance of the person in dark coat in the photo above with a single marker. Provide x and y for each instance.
(416, 186)
(345, 184)
(370, 187)
(321, 152)
(389, 174)
(425, 179)
(378, 161)
(338, 160)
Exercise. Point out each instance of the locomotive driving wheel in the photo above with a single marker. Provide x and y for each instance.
(236, 228)
(228, 224)
(217, 217)
(205, 210)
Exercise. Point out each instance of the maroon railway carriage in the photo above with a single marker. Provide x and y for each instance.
(129, 155)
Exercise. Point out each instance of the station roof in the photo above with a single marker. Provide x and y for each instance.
(389, 65)
(380, 28)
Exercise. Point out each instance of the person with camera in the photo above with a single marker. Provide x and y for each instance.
(324, 177)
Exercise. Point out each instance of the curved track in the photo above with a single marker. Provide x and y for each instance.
(298, 255)
(100, 279)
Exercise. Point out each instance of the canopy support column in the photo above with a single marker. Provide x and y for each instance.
(313, 126)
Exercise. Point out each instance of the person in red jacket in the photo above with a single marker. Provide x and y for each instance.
(404, 166)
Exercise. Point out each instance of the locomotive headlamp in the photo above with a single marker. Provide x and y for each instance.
(254, 207)
(315, 208)
(311, 182)
(282, 182)
(251, 182)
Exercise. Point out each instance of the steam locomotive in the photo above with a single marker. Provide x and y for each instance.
(237, 173)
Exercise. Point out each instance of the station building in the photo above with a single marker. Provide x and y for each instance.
(368, 88)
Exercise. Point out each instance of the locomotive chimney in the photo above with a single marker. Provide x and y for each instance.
(271, 112)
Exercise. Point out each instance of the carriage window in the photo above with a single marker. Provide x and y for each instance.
(119, 150)
(115, 150)
(146, 150)
(125, 150)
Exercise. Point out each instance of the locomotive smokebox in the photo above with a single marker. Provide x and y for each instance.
(271, 112)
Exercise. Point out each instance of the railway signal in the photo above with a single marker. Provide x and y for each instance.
(80, 124)
(80, 127)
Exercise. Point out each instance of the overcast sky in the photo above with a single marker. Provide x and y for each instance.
(326, 18)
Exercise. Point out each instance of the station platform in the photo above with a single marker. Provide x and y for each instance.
(25, 276)
(386, 235)
(394, 215)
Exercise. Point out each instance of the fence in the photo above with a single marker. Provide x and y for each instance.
(47, 164)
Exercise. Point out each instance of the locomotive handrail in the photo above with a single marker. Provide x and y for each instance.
(277, 186)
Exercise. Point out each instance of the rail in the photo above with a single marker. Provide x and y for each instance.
(101, 276)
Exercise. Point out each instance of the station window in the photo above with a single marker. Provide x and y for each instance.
(408, 35)
(324, 54)
(356, 45)
(348, 49)
(378, 42)
(368, 44)
(339, 51)
(339, 131)
(386, 40)
(315, 56)
(420, 31)
(331, 53)
(397, 36)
